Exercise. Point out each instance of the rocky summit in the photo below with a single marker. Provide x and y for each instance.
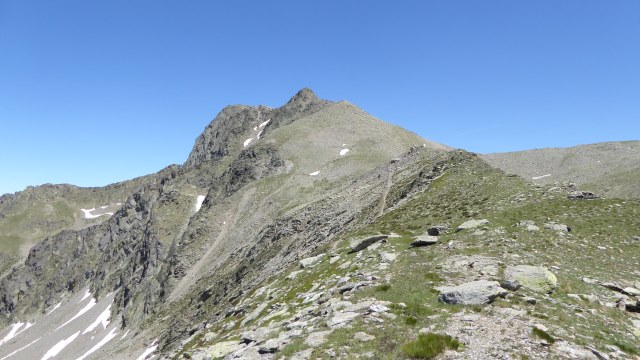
(316, 231)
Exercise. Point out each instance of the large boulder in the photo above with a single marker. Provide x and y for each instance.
(424, 240)
(310, 261)
(472, 224)
(535, 278)
(472, 293)
(361, 244)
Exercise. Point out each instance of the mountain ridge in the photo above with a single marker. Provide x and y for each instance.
(268, 240)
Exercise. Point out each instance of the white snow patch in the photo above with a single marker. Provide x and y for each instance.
(344, 152)
(97, 346)
(86, 295)
(255, 128)
(88, 213)
(246, 142)
(540, 177)
(314, 173)
(103, 319)
(199, 202)
(22, 348)
(54, 308)
(344, 144)
(12, 333)
(104, 206)
(55, 350)
(91, 304)
(147, 352)
(259, 133)
(264, 124)
(125, 334)
(119, 204)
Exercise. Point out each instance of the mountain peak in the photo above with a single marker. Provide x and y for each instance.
(305, 95)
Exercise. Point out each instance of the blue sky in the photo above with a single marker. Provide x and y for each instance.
(96, 92)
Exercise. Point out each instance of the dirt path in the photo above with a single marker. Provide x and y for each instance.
(193, 274)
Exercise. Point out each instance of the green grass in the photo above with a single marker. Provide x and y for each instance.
(543, 335)
(428, 346)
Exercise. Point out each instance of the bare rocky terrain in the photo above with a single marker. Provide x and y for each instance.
(316, 231)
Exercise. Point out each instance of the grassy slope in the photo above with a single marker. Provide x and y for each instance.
(609, 169)
(599, 246)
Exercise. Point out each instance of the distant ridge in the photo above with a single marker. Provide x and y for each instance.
(610, 168)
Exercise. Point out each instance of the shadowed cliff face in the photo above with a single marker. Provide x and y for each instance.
(239, 123)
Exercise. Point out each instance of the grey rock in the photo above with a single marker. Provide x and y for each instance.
(631, 291)
(269, 347)
(612, 286)
(341, 319)
(361, 244)
(472, 224)
(571, 351)
(512, 285)
(472, 293)
(255, 313)
(581, 195)
(536, 278)
(294, 274)
(363, 336)
(317, 338)
(424, 240)
(387, 257)
(257, 335)
(438, 229)
(557, 227)
(633, 307)
(378, 308)
(310, 261)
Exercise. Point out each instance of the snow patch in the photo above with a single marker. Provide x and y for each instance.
(54, 308)
(259, 133)
(86, 295)
(264, 124)
(246, 142)
(540, 177)
(22, 348)
(147, 352)
(104, 206)
(344, 152)
(103, 319)
(91, 304)
(12, 333)
(199, 202)
(88, 213)
(125, 334)
(314, 173)
(97, 346)
(55, 350)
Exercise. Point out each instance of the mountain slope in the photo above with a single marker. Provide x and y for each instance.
(202, 228)
(610, 169)
(28, 216)
(317, 231)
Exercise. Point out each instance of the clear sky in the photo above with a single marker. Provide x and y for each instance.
(93, 92)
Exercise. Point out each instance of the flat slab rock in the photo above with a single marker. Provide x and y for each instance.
(424, 240)
(472, 224)
(536, 278)
(361, 244)
(472, 293)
